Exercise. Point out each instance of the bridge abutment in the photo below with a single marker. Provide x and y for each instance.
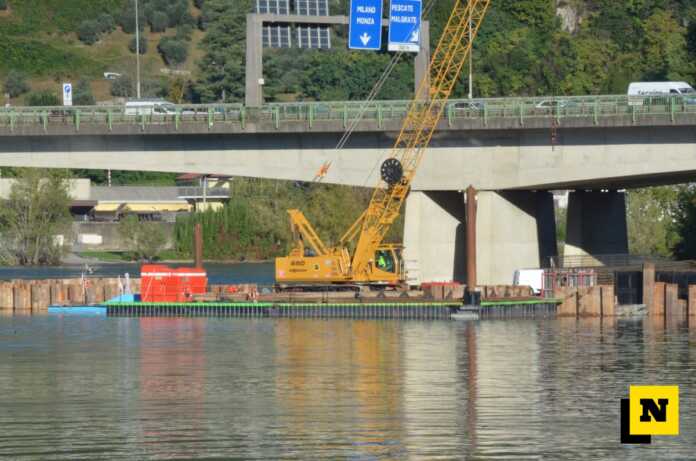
(596, 224)
(515, 230)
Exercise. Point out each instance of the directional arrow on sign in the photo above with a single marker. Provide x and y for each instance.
(365, 39)
(415, 37)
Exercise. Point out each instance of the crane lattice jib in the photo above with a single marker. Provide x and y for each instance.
(423, 116)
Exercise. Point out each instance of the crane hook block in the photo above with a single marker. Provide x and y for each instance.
(392, 171)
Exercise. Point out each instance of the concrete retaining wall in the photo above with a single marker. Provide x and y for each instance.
(111, 239)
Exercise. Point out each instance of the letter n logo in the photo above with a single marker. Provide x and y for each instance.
(654, 410)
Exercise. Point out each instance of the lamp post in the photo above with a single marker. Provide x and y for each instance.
(137, 50)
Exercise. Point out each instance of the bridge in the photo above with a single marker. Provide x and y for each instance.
(513, 150)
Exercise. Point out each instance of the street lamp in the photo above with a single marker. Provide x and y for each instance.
(137, 50)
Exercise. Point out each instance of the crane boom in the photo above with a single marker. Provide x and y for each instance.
(421, 121)
(372, 261)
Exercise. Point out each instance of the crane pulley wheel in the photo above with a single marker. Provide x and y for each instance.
(392, 171)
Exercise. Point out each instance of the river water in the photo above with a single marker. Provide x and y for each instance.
(135, 388)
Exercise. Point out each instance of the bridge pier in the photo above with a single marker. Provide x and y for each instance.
(515, 230)
(596, 224)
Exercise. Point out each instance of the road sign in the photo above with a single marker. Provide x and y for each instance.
(405, 25)
(365, 29)
(67, 94)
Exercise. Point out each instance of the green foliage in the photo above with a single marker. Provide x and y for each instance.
(255, 225)
(132, 45)
(684, 219)
(35, 57)
(59, 15)
(159, 21)
(127, 19)
(145, 239)
(37, 211)
(106, 22)
(82, 95)
(3, 5)
(16, 84)
(43, 98)
(173, 51)
(649, 214)
(89, 31)
(122, 87)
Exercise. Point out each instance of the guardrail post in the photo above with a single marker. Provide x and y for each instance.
(485, 115)
(521, 110)
(44, 120)
(380, 115)
(142, 121)
(77, 120)
(558, 115)
(345, 116)
(450, 114)
(177, 119)
(633, 114)
(276, 117)
(242, 117)
(595, 110)
(672, 108)
(211, 118)
(310, 116)
(109, 119)
(13, 121)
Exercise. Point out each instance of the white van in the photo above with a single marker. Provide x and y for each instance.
(640, 93)
(150, 107)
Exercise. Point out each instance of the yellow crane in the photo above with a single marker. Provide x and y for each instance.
(371, 261)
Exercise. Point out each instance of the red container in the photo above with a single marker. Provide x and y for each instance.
(164, 284)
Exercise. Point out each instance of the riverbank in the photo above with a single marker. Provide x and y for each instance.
(167, 257)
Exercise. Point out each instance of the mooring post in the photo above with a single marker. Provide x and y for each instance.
(472, 296)
(198, 246)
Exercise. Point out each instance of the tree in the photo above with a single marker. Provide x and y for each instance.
(159, 21)
(82, 95)
(16, 84)
(37, 211)
(649, 214)
(106, 22)
(88, 32)
(173, 51)
(146, 240)
(127, 20)
(43, 98)
(122, 87)
(143, 45)
(665, 50)
(685, 223)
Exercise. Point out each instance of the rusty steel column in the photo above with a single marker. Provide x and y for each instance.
(471, 239)
(198, 246)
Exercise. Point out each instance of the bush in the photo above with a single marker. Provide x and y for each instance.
(88, 32)
(173, 51)
(127, 21)
(184, 32)
(159, 22)
(3, 4)
(198, 3)
(16, 84)
(143, 45)
(145, 240)
(106, 23)
(82, 95)
(43, 98)
(122, 87)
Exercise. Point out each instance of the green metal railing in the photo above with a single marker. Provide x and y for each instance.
(594, 109)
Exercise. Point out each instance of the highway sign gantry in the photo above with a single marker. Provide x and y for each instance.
(365, 28)
(405, 25)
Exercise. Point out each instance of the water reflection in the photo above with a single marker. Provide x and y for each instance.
(85, 388)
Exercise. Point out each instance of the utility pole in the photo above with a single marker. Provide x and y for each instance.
(137, 50)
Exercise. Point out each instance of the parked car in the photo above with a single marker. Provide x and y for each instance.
(468, 105)
(149, 107)
(556, 104)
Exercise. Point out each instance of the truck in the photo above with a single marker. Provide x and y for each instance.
(650, 93)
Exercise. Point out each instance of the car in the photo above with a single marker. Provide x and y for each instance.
(555, 104)
(469, 105)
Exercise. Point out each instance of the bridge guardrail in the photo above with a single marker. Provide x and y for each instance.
(555, 109)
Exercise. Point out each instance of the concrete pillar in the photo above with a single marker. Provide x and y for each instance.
(596, 224)
(515, 230)
(254, 61)
(435, 237)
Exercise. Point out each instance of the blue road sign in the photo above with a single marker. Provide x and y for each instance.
(405, 25)
(365, 29)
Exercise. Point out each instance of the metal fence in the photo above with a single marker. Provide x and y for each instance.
(566, 278)
(594, 109)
